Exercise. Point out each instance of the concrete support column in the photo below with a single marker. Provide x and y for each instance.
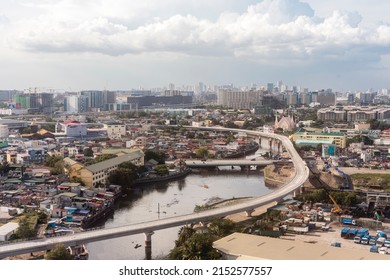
(248, 213)
(148, 245)
(298, 191)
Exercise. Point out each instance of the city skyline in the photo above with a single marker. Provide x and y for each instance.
(74, 45)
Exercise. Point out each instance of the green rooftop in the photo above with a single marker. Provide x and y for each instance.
(321, 133)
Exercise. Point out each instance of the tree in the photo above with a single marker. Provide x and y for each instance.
(25, 229)
(221, 227)
(58, 168)
(202, 152)
(199, 247)
(194, 246)
(42, 217)
(52, 160)
(161, 169)
(184, 234)
(59, 252)
(157, 156)
(100, 159)
(88, 152)
(125, 175)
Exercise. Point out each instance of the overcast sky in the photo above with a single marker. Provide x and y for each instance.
(124, 44)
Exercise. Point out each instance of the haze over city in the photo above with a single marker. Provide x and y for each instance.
(96, 44)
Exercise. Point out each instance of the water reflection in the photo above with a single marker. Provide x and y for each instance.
(163, 200)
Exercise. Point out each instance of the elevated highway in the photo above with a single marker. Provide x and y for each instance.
(301, 173)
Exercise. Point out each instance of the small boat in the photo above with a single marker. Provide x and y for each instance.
(137, 246)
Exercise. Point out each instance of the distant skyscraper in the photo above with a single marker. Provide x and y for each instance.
(240, 99)
(98, 99)
(270, 87)
(201, 87)
(34, 102)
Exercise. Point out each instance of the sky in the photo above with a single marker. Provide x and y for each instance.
(123, 44)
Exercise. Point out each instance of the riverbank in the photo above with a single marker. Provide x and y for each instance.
(276, 176)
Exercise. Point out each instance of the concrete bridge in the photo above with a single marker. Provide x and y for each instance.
(228, 162)
(301, 173)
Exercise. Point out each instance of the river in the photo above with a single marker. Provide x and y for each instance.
(171, 198)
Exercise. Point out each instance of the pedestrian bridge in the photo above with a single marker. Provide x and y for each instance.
(301, 173)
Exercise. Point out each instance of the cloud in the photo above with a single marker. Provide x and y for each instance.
(271, 30)
(3, 19)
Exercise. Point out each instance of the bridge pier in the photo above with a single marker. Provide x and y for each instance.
(248, 213)
(148, 245)
(270, 147)
(298, 191)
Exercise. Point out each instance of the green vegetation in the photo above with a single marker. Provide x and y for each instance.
(156, 155)
(125, 175)
(192, 245)
(347, 199)
(360, 138)
(367, 180)
(27, 225)
(221, 227)
(88, 152)
(99, 159)
(200, 208)
(378, 125)
(202, 152)
(56, 164)
(59, 252)
(161, 170)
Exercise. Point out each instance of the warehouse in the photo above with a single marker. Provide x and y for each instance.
(254, 247)
(7, 230)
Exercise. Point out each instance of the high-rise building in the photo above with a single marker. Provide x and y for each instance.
(34, 102)
(270, 87)
(240, 99)
(76, 104)
(98, 99)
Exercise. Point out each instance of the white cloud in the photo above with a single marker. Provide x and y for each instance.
(245, 34)
(269, 30)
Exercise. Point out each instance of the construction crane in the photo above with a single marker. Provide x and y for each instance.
(316, 181)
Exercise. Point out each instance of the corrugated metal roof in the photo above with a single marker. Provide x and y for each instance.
(94, 168)
(8, 227)
(247, 246)
(300, 141)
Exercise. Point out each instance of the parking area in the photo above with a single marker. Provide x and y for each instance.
(331, 236)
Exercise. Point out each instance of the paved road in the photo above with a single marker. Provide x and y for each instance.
(301, 173)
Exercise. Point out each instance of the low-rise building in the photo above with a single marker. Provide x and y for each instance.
(337, 138)
(7, 230)
(98, 173)
(116, 130)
